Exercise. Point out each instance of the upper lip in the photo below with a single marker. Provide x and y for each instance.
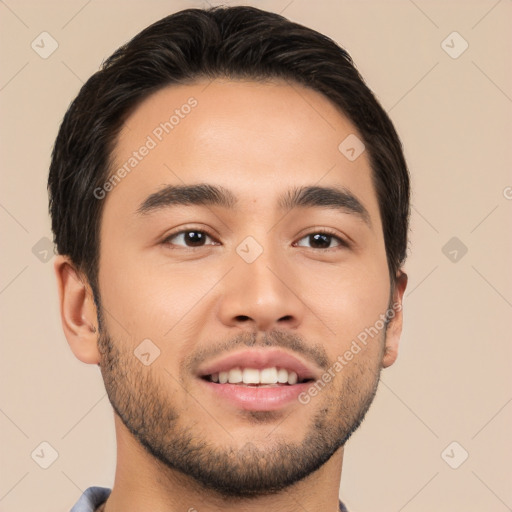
(259, 359)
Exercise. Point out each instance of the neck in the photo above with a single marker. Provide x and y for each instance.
(144, 483)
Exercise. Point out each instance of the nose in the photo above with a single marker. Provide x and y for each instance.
(262, 295)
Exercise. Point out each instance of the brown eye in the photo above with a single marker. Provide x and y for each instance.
(322, 240)
(188, 238)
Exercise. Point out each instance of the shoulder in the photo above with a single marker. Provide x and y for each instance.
(342, 507)
(91, 499)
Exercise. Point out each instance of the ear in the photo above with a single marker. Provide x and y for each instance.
(394, 329)
(77, 311)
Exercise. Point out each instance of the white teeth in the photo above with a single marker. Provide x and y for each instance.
(235, 376)
(282, 376)
(270, 375)
(251, 376)
(292, 378)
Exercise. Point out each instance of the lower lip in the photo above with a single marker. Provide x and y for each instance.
(252, 398)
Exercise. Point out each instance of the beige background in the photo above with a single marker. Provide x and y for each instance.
(452, 380)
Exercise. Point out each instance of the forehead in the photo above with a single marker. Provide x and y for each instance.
(254, 138)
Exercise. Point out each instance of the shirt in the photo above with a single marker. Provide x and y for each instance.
(93, 497)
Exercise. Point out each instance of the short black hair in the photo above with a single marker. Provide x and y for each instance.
(221, 42)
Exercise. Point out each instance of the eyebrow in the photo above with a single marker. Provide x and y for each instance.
(204, 194)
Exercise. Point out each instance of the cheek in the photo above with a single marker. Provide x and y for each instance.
(348, 299)
(148, 299)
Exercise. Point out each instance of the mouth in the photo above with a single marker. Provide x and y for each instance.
(257, 380)
(254, 377)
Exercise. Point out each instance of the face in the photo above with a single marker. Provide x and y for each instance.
(218, 263)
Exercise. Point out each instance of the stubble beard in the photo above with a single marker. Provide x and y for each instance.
(141, 399)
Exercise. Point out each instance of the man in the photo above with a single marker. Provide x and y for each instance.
(230, 206)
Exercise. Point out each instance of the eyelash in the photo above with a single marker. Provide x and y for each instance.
(342, 243)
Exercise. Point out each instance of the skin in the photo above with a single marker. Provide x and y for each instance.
(257, 140)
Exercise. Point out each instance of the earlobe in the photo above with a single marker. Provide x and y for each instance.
(394, 329)
(77, 310)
